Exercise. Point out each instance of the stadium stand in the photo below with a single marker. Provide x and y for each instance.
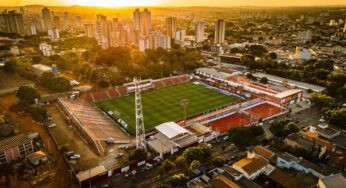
(119, 91)
(92, 124)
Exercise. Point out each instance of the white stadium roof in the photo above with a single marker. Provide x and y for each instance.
(171, 129)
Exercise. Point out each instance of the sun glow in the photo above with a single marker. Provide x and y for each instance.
(114, 3)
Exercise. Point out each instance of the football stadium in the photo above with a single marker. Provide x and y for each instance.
(164, 104)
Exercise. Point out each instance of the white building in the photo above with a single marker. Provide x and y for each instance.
(39, 69)
(143, 44)
(304, 35)
(302, 54)
(199, 32)
(32, 30)
(170, 138)
(158, 40)
(46, 49)
(54, 34)
(180, 35)
(15, 50)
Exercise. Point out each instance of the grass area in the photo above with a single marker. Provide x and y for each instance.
(163, 105)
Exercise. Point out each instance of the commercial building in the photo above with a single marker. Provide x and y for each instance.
(292, 83)
(11, 22)
(16, 147)
(304, 35)
(171, 138)
(219, 37)
(39, 69)
(47, 19)
(199, 32)
(171, 26)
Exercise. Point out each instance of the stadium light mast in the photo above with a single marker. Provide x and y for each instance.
(140, 130)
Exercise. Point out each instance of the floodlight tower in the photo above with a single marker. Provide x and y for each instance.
(140, 130)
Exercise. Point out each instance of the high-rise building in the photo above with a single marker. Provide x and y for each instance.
(180, 34)
(11, 22)
(32, 30)
(143, 43)
(47, 19)
(54, 34)
(102, 35)
(142, 21)
(78, 21)
(199, 32)
(90, 30)
(171, 26)
(66, 21)
(219, 37)
(57, 22)
(158, 40)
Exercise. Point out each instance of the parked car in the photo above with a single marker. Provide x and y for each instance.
(119, 155)
(75, 156)
(69, 154)
(52, 125)
(70, 127)
(148, 166)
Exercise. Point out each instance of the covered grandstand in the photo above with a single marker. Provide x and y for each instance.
(119, 91)
(92, 124)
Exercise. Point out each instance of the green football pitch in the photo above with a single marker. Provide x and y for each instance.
(164, 105)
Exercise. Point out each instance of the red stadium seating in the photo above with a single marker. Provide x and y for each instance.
(224, 124)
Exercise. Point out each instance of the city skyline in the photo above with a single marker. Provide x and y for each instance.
(172, 3)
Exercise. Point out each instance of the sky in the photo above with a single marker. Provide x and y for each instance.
(216, 3)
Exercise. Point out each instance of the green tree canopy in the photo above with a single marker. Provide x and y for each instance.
(321, 100)
(27, 95)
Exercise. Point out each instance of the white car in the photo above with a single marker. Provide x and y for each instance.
(75, 156)
(52, 125)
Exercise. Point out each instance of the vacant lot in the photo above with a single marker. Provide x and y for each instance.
(9, 83)
(163, 105)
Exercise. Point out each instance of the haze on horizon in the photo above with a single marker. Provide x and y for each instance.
(215, 3)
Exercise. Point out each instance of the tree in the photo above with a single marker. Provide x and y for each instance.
(320, 100)
(179, 179)
(200, 153)
(283, 128)
(61, 84)
(337, 116)
(194, 165)
(180, 161)
(138, 155)
(47, 79)
(272, 55)
(10, 67)
(257, 50)
(37, 112)
(264, 80)
(167, 165)
(219, 161)
(27, 95)
(243, 136)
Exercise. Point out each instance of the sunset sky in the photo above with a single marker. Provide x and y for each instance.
(124, 3)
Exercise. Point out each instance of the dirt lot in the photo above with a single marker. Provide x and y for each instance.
(28, 125)
(10, 83)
